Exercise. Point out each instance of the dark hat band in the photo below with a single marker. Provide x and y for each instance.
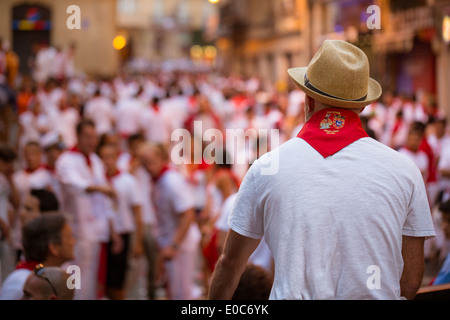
(310, 86)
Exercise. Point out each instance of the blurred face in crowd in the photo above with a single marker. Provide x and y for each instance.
(87, 139)
(52, 155)
(413, 141)
(446, 224)
(109, 155)
(439, 127)
(152, 161)
(30, 208)
(33, 156)
(6, 168)
(64, 251)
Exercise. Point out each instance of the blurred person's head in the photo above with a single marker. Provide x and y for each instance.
(48, 239)
(47, 283)
(86, 136)
(255, 284)
(153, 157)
(440, 126)
(53, 147)
(415, 136)
(7, 157)
(109, 155)
(444, 208)
(36, 202)
(32, 155)
(134, 141)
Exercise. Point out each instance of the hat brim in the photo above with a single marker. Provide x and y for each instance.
(373, 94)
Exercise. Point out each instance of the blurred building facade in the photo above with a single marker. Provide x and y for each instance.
(263, 37)
(26, 23)
(164, 29)
(409, 54)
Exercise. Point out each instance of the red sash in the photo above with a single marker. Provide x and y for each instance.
(331, 130)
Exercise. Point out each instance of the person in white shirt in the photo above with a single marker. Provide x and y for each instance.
(127, 221)
(153, 123)
(66, 121)
(178, 237)
(100, 110)
(344, 216)
(130, 162)
(412, 151)
(87, 202)
(128, 114)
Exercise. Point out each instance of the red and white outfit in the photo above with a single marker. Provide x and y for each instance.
(128, 196)
(172, 196)
(339, 203)
(88, 213)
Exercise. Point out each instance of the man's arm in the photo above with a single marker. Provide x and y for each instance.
(184, 222)
(231, 265)
(413, 266)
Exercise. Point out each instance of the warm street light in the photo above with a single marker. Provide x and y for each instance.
(119, 42)
(213, 1)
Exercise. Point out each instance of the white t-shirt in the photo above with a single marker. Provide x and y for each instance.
(420, 159)
(128, 115)
(128, 196)
(145, 186)
(328, 220)
(173, 196)
(101, 111)
(88, 213)
(12, 287)
(261, 256)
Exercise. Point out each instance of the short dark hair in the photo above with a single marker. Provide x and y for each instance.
(7, 154)
(33, 144)
(84, 123)
(445, 207)
(255, 284)
(38, 233)
(47, 200)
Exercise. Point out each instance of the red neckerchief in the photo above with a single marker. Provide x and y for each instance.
(29, 265)
(110, 177)
(163, 170)
(88, 159)
(330, 130)
(47, 167)
(29, 171)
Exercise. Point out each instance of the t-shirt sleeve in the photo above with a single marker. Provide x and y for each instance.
(418, 220)
(246, 217)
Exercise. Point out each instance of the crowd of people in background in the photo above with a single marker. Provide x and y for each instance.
(87, 177)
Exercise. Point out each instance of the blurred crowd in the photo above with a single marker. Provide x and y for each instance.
(86, 176)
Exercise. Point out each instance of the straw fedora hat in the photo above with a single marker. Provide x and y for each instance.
(338, 75)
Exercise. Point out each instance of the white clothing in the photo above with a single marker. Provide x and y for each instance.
(128, 116)
(261, 256)
(66, 122)
(327, 221)
(154, 126)
(12, 287)
(145, 186)
(173, 196)
(89, 213)
(128, 196)
(101, 111)
(419, 158)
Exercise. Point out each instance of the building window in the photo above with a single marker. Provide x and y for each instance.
(127, 6)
